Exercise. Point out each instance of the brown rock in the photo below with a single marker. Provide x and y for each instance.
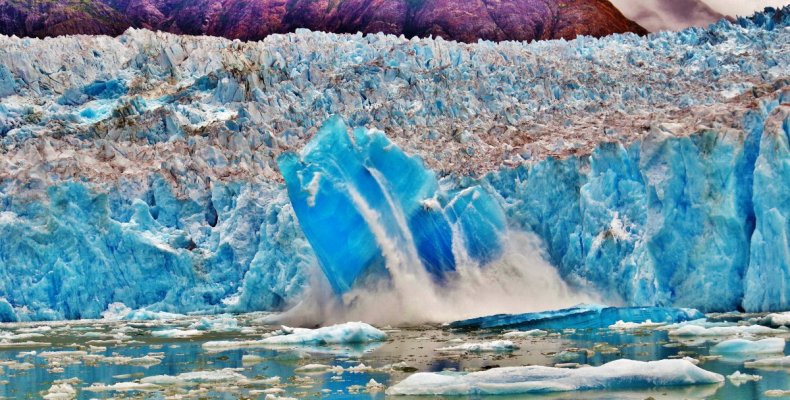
(462, 20)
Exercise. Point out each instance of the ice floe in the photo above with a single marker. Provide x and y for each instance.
(619, 374)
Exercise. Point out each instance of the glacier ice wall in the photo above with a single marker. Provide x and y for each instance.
(236, 247)
(143, 169)
(670, 220)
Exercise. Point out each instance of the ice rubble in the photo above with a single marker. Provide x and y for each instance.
(653, 167)
(619, 374)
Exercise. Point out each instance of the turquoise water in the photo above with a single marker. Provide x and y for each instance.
(88, 356)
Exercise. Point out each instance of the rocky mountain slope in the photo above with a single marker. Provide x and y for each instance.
(460, 20)
(657, 15)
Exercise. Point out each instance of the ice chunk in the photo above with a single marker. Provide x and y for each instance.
(619, 374)
(583, 316)
(494, 346)
(622, 325)
(350, 332)
(777, 319)
(177, 333)
(523, 334)
(217, 324)
(315, 369)
(697, 330)
(743, 346)
(769, 363)
(61, 391)
(122, 387)
(738, 378)
(362, 202)
(209, 376)
(119, 311)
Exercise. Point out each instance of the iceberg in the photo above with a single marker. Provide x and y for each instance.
(619, 374)
(363, 203)
(579, 317)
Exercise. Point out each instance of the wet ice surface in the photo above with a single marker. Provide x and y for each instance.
(131, 359)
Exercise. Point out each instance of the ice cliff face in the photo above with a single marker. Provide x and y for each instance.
(143, 169)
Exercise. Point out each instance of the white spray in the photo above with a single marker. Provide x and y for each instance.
(522, 280)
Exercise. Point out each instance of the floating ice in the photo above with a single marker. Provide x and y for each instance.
(523, 334)
(777, 319)
(619, 374)
(738, 378)
(61, 391)
(314, 369)
(120, 312)
(579, 317)
(350, 332)
(357, 334)
(176, 333)
(122, 387)
(697, 330)
(494, 346)
(363, 203)
(769, 363)
(743, 346)
(217, 324)
(622, 325)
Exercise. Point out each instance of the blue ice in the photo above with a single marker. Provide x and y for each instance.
(359, 198)
(579, 317)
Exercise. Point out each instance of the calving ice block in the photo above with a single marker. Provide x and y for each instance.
(365, 206)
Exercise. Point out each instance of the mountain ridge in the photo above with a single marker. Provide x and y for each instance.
(464, 21)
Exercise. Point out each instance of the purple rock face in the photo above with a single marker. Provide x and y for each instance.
(462, 20)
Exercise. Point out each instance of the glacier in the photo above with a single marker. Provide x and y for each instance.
(144, 169)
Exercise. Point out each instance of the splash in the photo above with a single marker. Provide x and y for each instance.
(395, 246)
(522, 280)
